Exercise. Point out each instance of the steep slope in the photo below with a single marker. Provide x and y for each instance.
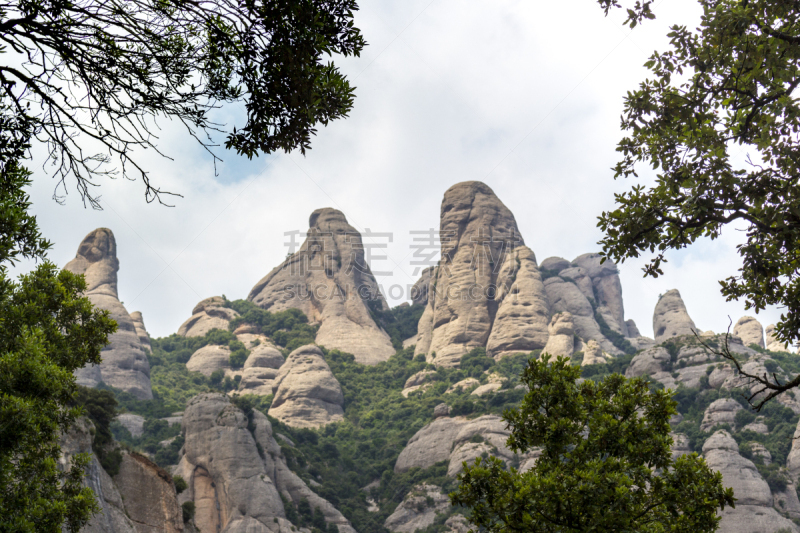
(330, 281)
(124, 365)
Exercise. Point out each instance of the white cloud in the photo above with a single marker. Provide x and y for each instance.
(525, 96)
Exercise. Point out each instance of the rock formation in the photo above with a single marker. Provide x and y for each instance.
(453, 440)
(306, 392)
(670, 318)
(478, 232)
(633, 331)
(607, 290)
(149, 495)
(593, 354)
(139, 499)
(237, 474)
(772, 343)
(562, 335)
(261, 369)
(209, 359)
(554, 265)
(418, 509)
(520, 323)
(750, 331)
(330, 281)
(209, 314)
(133, 423)
(144, 337)
(722, 411)
(754, 511)
(566, 296)
(419, 292)
(124, 363)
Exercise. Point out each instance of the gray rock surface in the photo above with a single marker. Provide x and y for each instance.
(307, 394)
(149, 495)
(593, 354)
(124, 364)
(772, 343)
(418, 509)
(750, 331)
(138, 324)
(521, 321)
(451, 439)
(562, 335)
(754, 511)
(111, 517)
(331, 266)
(633, 331)
(261, 367)
(480, 232)
(670, 318)
(419, 291)
(722, 411)
(607, 290)
(793, 459)
(441, 410)
(209, 359)
(235, 487)
(133, 423)
(555, 264)
(209, 314)
(565, 296)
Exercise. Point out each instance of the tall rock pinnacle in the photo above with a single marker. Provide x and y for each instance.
(670, 318)
(124, 365)
(485, 273)
(329, 279)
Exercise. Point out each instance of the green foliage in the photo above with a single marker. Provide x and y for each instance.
(289, 328)
(238, 355)
(48, 331)
(723, 88)
(154, 432)
(180, 484)
(175, 60)
(606, 463)
(100, 406)
(188, 511)
(401, 323)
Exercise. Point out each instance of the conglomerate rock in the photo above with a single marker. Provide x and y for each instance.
(237, 474)
(750, 331)
(670, 318)
(209, 314)
(330, 281)
(124, 364)
(772, 343)
(562, 335)
(307, 394)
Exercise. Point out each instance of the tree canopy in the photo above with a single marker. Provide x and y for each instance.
(89, 78)
(719, 122)
(605, 462)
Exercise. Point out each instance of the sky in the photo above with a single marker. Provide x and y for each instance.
(522, 95)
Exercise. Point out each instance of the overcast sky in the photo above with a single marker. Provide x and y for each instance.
(524, 96)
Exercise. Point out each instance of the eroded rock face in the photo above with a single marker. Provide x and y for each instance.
(209, 314)
(235, 487)
(139, 499)
(565, 296)
(330, 281)
(419, 292)
(555, 264)
(149, 495)
(451, 439)
(633, 331)
(593, 354)
(750, 331)
(607, 290)
(124, 363)
(306, 392)
(261, 369)
(480, 233)
(521, 321)
(418, 509)
(144, 337)
(722, 411)
(133, 423)
(754, 511)
(562, 335)
(209, 359)
(670, 318)
(772, 343)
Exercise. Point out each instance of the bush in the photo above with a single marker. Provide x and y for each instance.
(180, 484)
(188, 511)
